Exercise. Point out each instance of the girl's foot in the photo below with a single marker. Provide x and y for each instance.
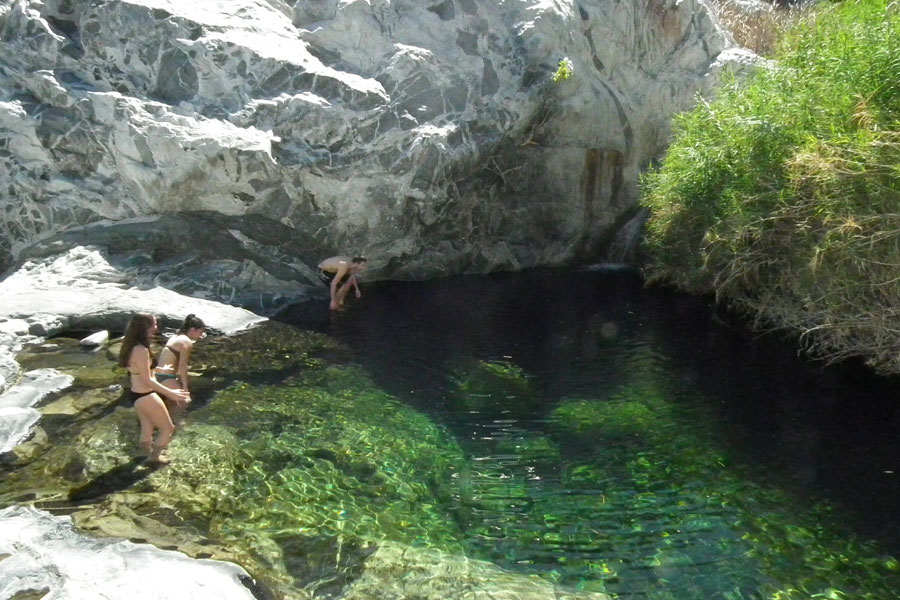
(157, 457)
(162, 459)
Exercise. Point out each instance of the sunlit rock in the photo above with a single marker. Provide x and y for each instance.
(82, 290)
(45, 555)
(14, 327)
(95, 339)
(435, 137)
(17, 414)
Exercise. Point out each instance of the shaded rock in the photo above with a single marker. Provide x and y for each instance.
(245, 261)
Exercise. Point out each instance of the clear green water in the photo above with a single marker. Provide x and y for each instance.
(628, 441)
(566, 425)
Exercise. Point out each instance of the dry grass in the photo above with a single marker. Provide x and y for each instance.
(759, 29)
(822, 268)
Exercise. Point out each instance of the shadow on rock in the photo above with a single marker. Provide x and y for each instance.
(116, 479)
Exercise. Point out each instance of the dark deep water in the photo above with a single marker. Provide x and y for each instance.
(809, 436)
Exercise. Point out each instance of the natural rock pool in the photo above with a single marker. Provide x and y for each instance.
(550, 434)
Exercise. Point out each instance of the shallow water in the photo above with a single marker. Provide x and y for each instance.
(567, 425)
(630, 440)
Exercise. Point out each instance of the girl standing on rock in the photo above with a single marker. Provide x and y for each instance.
(146, 392)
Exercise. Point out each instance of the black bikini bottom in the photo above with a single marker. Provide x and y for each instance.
(135, 396)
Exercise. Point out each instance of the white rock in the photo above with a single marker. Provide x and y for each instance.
(16, 413)
(14, 327)
(430, 134)
(15, 425)
(95, 339)
(46, 552)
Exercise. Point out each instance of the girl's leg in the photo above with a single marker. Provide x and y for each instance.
(153, 409)
(146, 439)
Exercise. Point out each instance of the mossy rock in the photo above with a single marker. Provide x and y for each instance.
(268, 350)
(590, 420)
(320, 464)
(494, 387)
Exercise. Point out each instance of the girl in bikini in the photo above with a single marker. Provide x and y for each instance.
(146, 392)
(172, 368)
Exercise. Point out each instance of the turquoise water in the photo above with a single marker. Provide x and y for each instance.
(638, 442)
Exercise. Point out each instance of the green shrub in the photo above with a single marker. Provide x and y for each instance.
(782, 194)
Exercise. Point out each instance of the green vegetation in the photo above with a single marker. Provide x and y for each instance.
(782, 194)
(564, 70)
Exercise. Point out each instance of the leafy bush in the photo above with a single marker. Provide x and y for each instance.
(782, 194)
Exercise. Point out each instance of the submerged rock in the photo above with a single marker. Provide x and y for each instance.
(313, 479)
(397, 571)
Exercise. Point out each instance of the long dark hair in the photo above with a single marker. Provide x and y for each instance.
(191, 322)
(137, 332)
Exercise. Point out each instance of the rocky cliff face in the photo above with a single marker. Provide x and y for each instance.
(428, 134)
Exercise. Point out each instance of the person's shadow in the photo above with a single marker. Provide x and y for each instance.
(116, 479)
